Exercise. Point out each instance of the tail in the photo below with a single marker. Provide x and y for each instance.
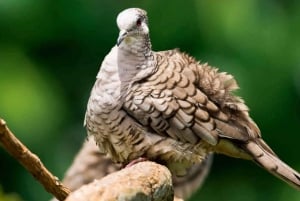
(265, 157)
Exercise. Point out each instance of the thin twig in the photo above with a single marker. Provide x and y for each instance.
(31, 162)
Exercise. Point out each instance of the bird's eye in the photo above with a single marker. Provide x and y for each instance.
(139, 22)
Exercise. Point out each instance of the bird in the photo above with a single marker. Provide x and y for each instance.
(167, 107)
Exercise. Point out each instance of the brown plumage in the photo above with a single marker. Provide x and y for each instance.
(168, 107)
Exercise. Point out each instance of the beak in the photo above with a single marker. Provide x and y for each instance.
(122, 36)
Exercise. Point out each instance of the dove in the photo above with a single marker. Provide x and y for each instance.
(168, 107)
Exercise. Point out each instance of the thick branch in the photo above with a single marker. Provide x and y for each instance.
(89, 164)
(142, 181)
(31, 162)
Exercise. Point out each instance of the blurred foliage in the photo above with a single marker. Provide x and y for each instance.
(8, 197)
(50, 52)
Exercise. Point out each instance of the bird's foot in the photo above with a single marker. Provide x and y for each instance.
(135, 161)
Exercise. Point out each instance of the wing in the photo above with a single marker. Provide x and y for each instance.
(188, 101)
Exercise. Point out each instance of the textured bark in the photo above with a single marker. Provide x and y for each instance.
(142, 181)
(31, 162)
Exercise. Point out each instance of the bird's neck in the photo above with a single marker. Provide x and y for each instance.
(135, 60)
(136, 45)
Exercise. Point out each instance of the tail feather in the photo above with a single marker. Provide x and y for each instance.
(268, 160)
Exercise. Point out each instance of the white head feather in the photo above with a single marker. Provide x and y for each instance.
(132, 22)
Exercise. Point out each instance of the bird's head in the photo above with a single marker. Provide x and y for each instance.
(133, 24)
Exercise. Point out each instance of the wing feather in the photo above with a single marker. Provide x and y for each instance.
(189, 102)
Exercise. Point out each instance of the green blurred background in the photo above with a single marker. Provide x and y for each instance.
(50, 52)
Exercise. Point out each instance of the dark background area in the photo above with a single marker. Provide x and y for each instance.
(50, 53)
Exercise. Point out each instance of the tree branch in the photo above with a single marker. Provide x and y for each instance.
(142, 181)
(31, 162)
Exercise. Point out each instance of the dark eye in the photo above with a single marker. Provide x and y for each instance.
(139, 22)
